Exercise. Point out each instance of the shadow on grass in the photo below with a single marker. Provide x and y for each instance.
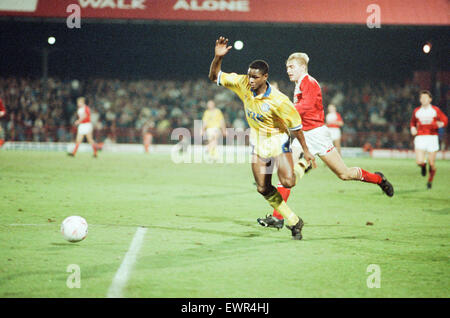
(205, 231)
(65, 244)
(218, 219)
(211, 195)
(400, 192)
(336, 238)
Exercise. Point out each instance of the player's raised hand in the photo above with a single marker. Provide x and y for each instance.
(222, 47)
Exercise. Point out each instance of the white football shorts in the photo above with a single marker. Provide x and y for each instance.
(428, 143)
(212, 133)
(318, 140)
(335, 133)
(84, 129)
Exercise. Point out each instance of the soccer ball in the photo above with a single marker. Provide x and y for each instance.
(74, 228)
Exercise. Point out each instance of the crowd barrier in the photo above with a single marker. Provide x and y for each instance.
(197, 150)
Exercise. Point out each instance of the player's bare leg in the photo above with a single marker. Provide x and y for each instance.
(337, 144)
(148, 139)
(91, 141)
(78, 141)
(420, 160)
(2, 138)
(262, 172)
(286, 175)
(334, 161)
(212, 146)
(432, 169)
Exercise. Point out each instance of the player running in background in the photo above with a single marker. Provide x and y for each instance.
(425, 122)
(84, 126)
(308, 102)
(334, 123)
(147, 134)
(2, 114)
(270, 115)
(213, 125)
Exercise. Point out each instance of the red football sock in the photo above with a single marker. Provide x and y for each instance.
(285, 192)
(94, 147)
(431, 175)
(1, 142)
(367, 176)
(75, 149)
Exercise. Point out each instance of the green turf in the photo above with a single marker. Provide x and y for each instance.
(203, 239)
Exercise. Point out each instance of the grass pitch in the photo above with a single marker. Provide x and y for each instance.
(202, 238)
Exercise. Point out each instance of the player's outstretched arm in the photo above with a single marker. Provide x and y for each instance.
(220, 51)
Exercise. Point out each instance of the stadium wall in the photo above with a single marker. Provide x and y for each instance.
(394, 12)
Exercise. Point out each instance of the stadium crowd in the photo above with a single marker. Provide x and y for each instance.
(375, 113)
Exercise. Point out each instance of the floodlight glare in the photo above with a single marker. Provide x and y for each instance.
(238, 45)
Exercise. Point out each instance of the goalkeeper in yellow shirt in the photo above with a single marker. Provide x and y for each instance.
(213, 125)
(272, 118)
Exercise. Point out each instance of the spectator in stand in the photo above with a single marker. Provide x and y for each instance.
(367, 107)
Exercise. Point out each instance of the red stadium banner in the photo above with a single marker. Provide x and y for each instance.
(384, 12)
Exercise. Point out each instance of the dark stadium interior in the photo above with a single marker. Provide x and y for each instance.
(169, 50)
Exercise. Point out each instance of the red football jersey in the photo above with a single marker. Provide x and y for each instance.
(425, 118)
(308, 102)
(86, 112)
(331, 118)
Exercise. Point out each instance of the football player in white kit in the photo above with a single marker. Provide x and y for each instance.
(425, 122)
(85, 127)
(308, 102)
(334, 123)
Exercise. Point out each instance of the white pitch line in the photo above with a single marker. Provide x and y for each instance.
(123, 273)
(17, 224)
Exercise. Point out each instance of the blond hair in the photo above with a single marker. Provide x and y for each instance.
(301, 58)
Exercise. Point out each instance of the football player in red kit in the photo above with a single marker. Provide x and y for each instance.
(85, 127)
(334, 123)
(2, 114)
(147, 134)
(425, 122)
(308, 102)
